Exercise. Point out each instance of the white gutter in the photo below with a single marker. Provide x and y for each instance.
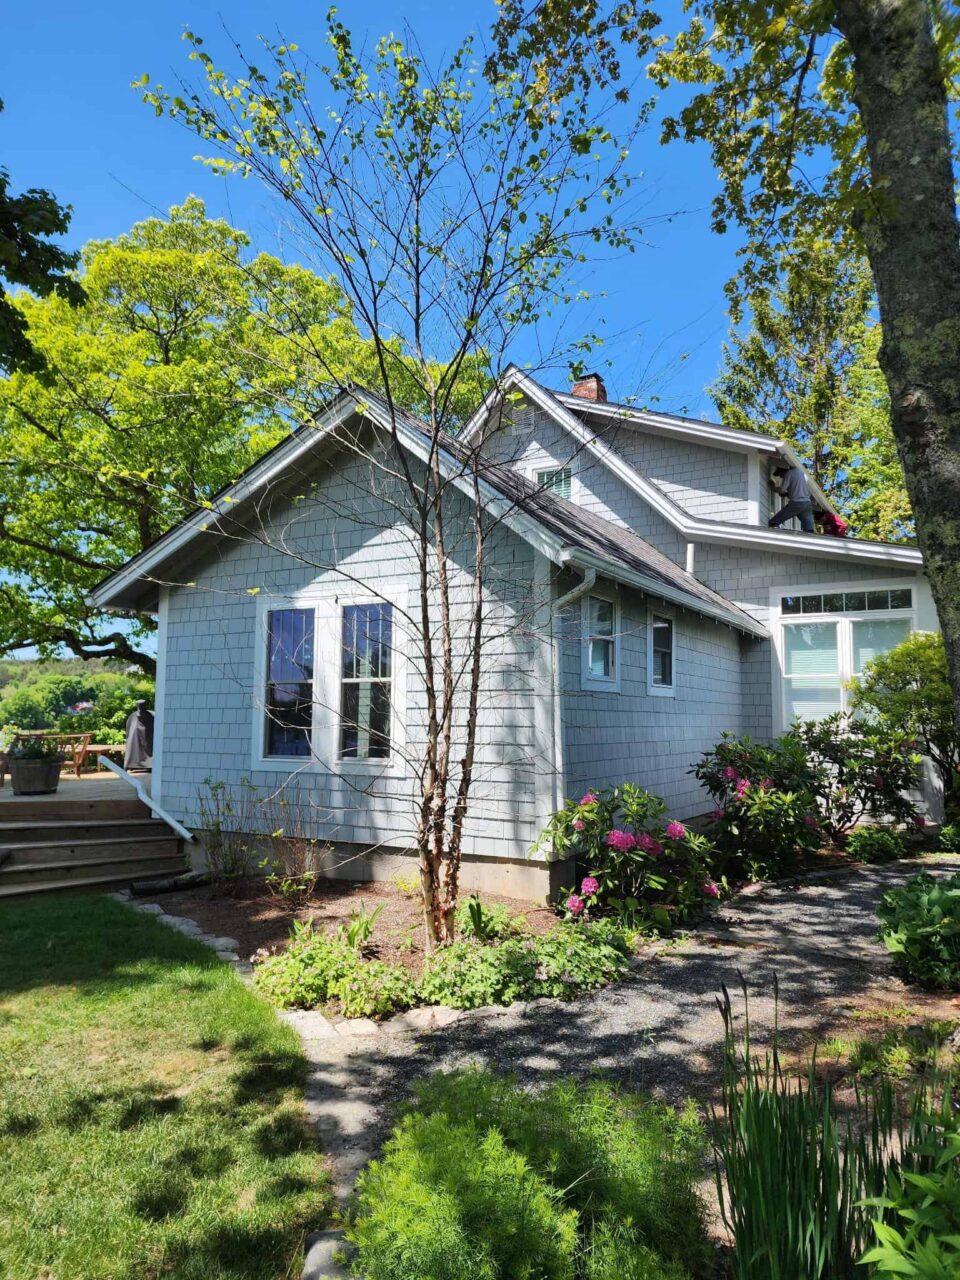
(654, 587)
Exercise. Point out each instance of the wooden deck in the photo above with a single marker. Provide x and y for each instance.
(102, 785)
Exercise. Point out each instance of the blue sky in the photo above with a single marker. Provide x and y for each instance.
(73, 124)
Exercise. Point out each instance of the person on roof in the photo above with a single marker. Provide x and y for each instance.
(791, 483)
(830, 524)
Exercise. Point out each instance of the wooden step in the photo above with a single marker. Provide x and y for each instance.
(121, 866)
(54, 831)
(77, 850)
(83, 884)
(17, 808)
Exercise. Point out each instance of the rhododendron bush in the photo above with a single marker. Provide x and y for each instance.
(636, 861)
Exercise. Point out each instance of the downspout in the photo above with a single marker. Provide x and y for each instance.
(589, 580)
(691, 549)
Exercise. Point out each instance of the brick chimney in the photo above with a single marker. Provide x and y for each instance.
(590, 388)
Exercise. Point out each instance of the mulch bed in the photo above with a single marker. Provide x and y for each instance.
(257, 918)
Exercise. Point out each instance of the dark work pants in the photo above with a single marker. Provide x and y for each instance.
(802, 508)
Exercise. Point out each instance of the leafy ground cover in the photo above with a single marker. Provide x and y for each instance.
(151, 1120)
(482, 1181)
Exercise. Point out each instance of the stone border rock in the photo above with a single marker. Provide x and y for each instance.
(227, 949)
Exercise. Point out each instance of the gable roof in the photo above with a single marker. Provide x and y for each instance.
(558, 529)
(693, 528)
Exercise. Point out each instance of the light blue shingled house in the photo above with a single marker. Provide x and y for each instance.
(639, 607)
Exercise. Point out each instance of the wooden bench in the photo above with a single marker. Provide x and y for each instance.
(75, 746)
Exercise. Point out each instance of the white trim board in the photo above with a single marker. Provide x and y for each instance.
(108, 593)
(696, 528)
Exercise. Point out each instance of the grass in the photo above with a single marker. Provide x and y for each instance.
(151, 1120)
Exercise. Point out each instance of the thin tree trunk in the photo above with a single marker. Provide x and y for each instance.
(913, 242)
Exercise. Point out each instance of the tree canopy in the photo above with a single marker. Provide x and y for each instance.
(174, 374)
(28, 258)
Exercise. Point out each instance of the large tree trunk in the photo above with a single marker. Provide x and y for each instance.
(913, 243)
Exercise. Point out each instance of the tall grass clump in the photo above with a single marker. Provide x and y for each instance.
(793, 1178)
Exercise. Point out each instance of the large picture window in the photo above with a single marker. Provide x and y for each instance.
(825, 648)
(289, 685)
(366, 678)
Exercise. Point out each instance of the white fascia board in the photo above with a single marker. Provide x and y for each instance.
(258, 477)
(670, 424)
(697, 529)
(264, 473)
(662, 591)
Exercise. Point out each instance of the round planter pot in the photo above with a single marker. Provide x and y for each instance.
(35, 777)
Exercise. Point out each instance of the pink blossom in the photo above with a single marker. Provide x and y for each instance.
(743, 786)
(575, 905)
(623, 841)
(878, 780)
(811, 821)
(655, 849)
(730, 773)
(578, 824)
(589, 886)
(676, 830)
(920, 821)
(646, 841)
(712, 889)
(717, 815)
(589, 798)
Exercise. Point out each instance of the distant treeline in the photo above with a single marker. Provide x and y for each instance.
(71, 695)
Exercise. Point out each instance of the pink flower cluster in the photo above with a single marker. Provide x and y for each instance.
(590, 886)
(730, 773)
(711, 889)
(622, 841)
(743, 786)
(579, 824)
(575, 905)
(647, 843)
(717, 815)
(676, 830)
(589, 798)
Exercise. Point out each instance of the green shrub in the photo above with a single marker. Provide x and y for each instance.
(949, 840)
(918, 1227)
(619, 1170)
(450, 1202)
(316, 968)
(876, 844)
(561, 964)
(372, 989)
(920, 925)
(860, 771)
(634, 856)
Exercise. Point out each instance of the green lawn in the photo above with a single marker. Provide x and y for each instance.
(150, 1107)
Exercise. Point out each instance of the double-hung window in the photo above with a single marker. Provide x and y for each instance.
(289, 683)
(366, 680)
(660, 657)
(827, 640)
(601, 658)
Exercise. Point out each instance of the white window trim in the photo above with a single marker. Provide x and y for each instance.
(550, 464)
(328, 603)
(780, 620)
(660, 690)
(600, 684)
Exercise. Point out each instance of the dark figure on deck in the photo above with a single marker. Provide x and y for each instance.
(792, 484)
(139, 748)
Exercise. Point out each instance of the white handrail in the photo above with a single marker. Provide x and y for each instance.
(157, 810)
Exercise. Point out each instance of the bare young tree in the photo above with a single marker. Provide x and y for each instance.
(455, 210)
